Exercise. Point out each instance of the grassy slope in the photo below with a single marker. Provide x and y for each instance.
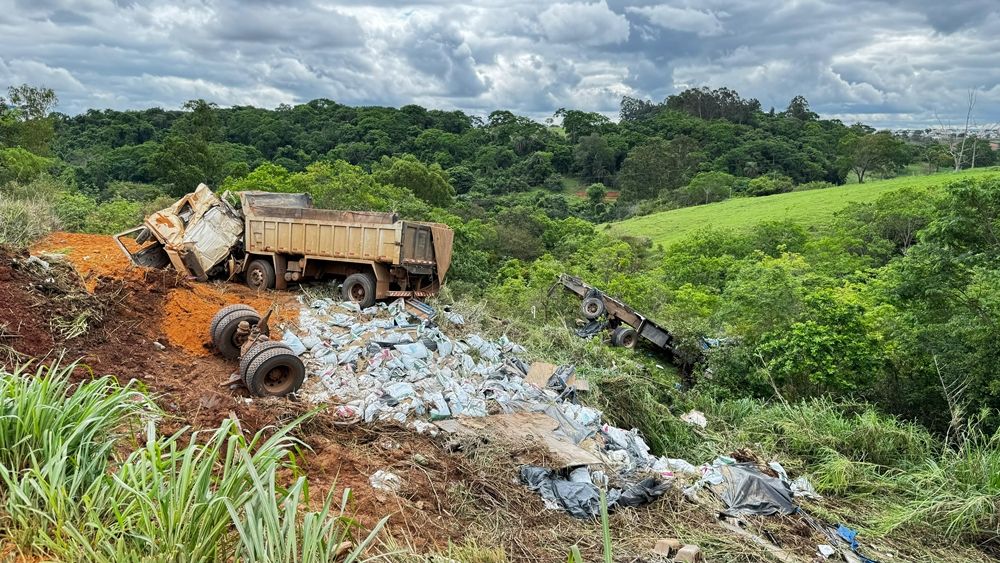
(814, 209)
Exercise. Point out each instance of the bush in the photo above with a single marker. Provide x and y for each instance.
(23, 221)
(73, 209)
(114, 216)
(769, 184)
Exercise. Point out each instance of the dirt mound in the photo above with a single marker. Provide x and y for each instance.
(188, 308)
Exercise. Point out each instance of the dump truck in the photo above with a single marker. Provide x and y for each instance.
(271, 239)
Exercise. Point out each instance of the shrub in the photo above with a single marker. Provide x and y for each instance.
(769, 184)
(114, 216)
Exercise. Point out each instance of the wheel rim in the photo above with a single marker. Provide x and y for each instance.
(357, 293)
(256, 277)
(592, 308)
(628, 340)
(278, 380)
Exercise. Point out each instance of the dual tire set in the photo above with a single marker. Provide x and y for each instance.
(625, 336)
(268, 368)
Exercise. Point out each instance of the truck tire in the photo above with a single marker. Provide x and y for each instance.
(256, 350)
(275, 373)
(260, 274)
(224, 337)
(360, 288)
(225, 311)
(624, 336)
(592, 307)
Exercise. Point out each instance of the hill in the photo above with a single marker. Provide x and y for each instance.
(813, 209)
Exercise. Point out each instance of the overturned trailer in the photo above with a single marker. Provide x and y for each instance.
(626, 324)
(272, 239)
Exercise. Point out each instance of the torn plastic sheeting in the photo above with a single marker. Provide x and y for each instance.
(559, 378)
(850, 536)
(350, 306)
(454, 318)
(630, 441)
(591, 329)
(579, 497)
(745, 490)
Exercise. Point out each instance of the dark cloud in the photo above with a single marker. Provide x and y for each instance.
(889, 62)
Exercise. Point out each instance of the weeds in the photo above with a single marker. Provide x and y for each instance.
(23, 221)
(69, 492)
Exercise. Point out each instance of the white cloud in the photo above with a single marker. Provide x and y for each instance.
(584, 24)
(703, 22)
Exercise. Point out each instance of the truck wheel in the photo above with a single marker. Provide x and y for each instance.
(275, 373)
(624, 336)
(360, 288)
(225, 311)
(260, 274)
(256, 350)
(592, 307)
(225, 337)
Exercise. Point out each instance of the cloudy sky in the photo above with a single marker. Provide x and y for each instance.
(893, 63)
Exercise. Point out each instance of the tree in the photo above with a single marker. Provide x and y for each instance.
(593, 159)
(429, 183)
(707, 187)
(596, 193)
(25, 120)
(634, 109)
(957, 141)
(798, 108)
(656, 167)
(579, 124)
(877, 151)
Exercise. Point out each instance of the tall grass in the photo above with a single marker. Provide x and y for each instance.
(23, 221)
(71, 489)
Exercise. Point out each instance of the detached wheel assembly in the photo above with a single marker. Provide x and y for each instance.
(592, 307)
(226, 334)
(225, 311)
(274, 372)
(255, 350)
(360, 288)
(624, 336)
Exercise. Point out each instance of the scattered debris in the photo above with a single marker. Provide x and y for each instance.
(575, 492)
(697, 418)
(667, 546)
(689, 554)
(383, 480)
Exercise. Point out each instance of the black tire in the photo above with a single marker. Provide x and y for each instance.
(256, 350)
(592, 308)
(360, 288)
(225, 338)
(260, 274)
(225, 311)
(275, 373)
(624, 336)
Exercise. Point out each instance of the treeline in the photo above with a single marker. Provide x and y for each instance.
(695, 147)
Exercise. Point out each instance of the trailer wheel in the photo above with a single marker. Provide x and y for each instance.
(360, 288)
(260, 274)
(226, 337)
(256, 350)
(592, 307)
(275, 373)
(225, 311)
(624, 336)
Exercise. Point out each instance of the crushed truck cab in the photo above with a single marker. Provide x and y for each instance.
(272, 239)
